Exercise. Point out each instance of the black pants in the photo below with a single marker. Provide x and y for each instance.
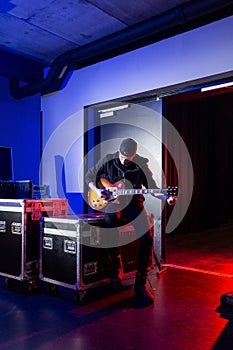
(115, 216)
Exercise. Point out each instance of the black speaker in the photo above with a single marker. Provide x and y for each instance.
(16, 189)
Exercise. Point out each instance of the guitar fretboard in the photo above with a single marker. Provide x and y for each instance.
(139, 191)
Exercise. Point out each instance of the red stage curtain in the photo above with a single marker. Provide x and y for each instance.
(205, 124)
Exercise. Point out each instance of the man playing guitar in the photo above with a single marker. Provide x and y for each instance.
(129, 172)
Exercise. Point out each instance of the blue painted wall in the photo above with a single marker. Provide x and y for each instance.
(20, 129)
(192, 55)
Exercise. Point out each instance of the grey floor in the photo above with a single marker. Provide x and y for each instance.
(187, 314)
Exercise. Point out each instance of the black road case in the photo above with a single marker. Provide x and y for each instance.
(20, 235)
(72, 254)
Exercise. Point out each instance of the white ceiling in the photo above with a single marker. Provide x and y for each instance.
(44, 29)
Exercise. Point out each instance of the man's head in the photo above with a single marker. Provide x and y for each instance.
(128, 150)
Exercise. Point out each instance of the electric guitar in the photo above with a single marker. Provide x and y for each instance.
(112, 191)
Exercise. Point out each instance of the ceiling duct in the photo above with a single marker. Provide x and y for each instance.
(177, 20)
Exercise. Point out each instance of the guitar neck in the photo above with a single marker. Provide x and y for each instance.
(124, 192)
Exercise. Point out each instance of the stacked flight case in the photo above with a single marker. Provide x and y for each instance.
(73, 252)
(20, 235)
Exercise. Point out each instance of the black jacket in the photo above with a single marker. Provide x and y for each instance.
(137, 173)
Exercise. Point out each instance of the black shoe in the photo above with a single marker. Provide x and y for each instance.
(141, 293)
(143, 296)
(115, 282)
(117, 272)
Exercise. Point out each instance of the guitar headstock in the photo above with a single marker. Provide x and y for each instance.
(172, 191)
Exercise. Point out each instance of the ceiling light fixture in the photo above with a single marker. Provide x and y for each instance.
(112, 109)
(106, 114)
(219, 86)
